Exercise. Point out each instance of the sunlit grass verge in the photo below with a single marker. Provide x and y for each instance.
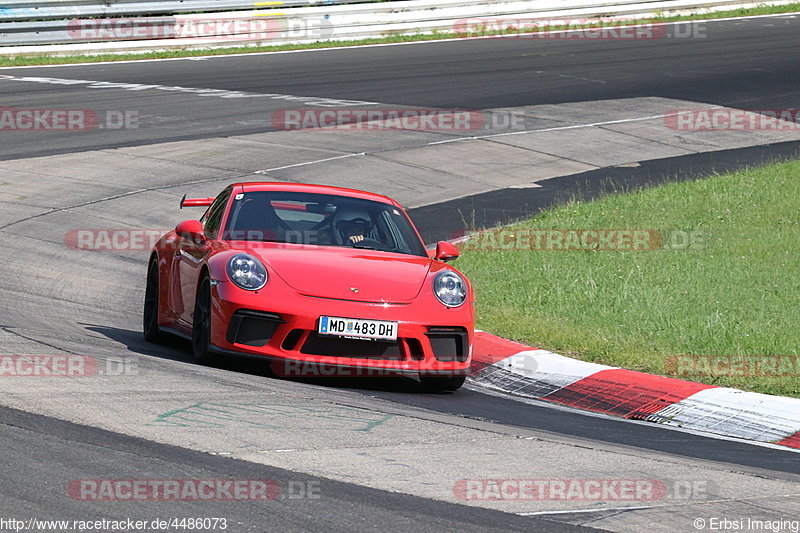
(734, 292)
(48, 59)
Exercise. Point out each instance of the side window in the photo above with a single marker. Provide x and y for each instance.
(213, 217)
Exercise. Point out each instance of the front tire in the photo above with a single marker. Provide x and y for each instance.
(152, 333)
(440, 383)
(201, 323)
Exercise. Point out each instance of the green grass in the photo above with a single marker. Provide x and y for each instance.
(48, 59)
(736, 293)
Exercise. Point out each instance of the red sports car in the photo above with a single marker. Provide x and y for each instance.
(317, 280)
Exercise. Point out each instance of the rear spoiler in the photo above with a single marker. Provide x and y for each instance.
(196, 202)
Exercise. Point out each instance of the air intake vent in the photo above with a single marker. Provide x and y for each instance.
(252, 328)
(448, 343)
(292, 339)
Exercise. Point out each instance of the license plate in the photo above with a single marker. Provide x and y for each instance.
(358, 328)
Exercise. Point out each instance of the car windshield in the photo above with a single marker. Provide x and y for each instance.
(322, 220)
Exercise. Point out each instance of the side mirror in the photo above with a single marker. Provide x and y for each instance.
(190, 229)
(445, 251)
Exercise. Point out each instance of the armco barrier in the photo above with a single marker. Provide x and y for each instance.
(18, 10)
(65, 26)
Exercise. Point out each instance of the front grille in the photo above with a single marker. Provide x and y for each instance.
(448, 343)
(252, 328)
(317, 344)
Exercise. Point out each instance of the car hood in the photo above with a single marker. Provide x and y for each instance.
(348, 273)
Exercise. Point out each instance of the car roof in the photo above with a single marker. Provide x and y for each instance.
(252, 186)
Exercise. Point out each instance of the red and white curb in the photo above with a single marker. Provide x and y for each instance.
(520, 370)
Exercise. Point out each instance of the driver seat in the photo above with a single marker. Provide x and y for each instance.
(260, 220)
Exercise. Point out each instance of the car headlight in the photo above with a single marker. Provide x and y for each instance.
(247, 272)
(449, 288)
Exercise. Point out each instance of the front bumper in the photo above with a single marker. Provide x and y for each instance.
(279, 324)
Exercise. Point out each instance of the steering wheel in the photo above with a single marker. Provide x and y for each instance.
(368, 243)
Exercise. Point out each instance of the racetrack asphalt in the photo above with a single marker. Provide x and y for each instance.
(43, 455)
(746, 64)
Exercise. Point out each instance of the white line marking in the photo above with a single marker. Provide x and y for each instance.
(542, 513)
(579, 126)
(589, 125)
(452, 140)
(309, 162)
(542, 130)
(562, 128)
(327, 49)
(221, 93)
